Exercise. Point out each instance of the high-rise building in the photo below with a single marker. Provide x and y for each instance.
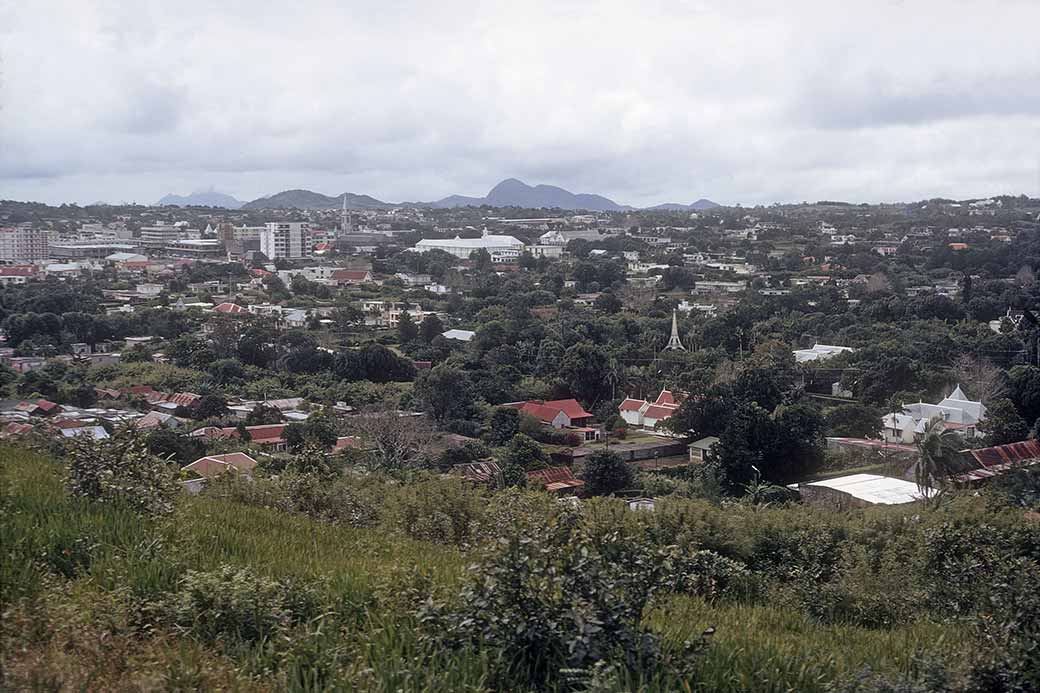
(24, 244)
(286, 240)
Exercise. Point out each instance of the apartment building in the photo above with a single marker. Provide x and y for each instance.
(287, 240)
(24, 244)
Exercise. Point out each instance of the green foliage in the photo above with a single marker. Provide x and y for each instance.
(552, 601)
(1003, 424)
(503, 424)
(235, 603)
(445, 393)
(606, 473)
(524, 453)
(854, 421)
(120, 470)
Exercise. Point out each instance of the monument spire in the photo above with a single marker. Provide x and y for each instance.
(675, 342)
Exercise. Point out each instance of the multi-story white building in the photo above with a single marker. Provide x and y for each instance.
(286, 240)
(161, 236)
(24, 244)
(501, 248)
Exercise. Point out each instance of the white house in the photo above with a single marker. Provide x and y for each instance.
(957, 413)
(639, 412)
(819, 352)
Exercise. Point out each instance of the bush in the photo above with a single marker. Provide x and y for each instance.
(606, 472)
(122, 471)
(234, 603)
(553, 604)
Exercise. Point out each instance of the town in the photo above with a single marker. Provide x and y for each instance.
(828, 356)
(542, 347)
(576, 333)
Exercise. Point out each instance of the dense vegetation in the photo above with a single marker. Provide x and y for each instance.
(310, 579)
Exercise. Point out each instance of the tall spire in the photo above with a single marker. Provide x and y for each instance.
(675, 342)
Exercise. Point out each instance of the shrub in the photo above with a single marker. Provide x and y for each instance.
(234, 603)
(712, 577)
(120, 470)
(552, 603)
(606, 472)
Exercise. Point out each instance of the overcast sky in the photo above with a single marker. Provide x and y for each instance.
(645, 102)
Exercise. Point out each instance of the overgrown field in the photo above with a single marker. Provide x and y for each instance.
(426, 585)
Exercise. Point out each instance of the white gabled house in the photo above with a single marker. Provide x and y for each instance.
(644, 414)
(957, 413)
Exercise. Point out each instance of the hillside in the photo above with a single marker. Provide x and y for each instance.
(205, 198)
(272, 585)
(307, 199)
(700, 205)
(508, 193)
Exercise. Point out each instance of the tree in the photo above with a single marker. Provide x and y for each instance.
(584, 368)
(984, 380)
(407, 331)
(398, 441)
(608, 303)
(1024, 391)
(294, 435)
(1003, 424)
(480, 260)
(430, 328)
(263, 414)
(937, 452)
(523, 452)
(606, 473)
(211, 405)
(445, 393)
(120, 470)
(854, 421)
(503, 424)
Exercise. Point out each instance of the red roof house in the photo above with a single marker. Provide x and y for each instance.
(342, 277)
(229, 308)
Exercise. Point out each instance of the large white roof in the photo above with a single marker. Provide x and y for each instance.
(489, 241)
(872, 488)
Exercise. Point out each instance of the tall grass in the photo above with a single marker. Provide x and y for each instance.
(105, 552)
(763, 648)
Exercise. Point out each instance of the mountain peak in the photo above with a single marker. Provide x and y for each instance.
(201, 198)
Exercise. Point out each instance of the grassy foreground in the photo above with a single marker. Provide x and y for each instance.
(71, 573)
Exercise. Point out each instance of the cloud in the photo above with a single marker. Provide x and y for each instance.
(742, 101)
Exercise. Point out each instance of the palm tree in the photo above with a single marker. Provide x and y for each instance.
(937, 456)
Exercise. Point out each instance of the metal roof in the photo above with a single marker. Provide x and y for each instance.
(872, 488)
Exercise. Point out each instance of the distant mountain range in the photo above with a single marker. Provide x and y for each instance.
(698, 206)
(509, 193)
(203, 198)
(306, 199)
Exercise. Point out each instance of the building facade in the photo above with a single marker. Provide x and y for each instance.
(24, 244)
(286, 240)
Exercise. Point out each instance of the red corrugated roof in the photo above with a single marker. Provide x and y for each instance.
(555, 475)
(570, 407)
(260, 434)
(656, 412)
(350, 275)
(1012, 452)
(230, 308)
(478, 472)
(631, 404)
(666, 398)
(540, 411)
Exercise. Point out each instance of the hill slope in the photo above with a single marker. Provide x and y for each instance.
(308, 199)
(204, 198)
